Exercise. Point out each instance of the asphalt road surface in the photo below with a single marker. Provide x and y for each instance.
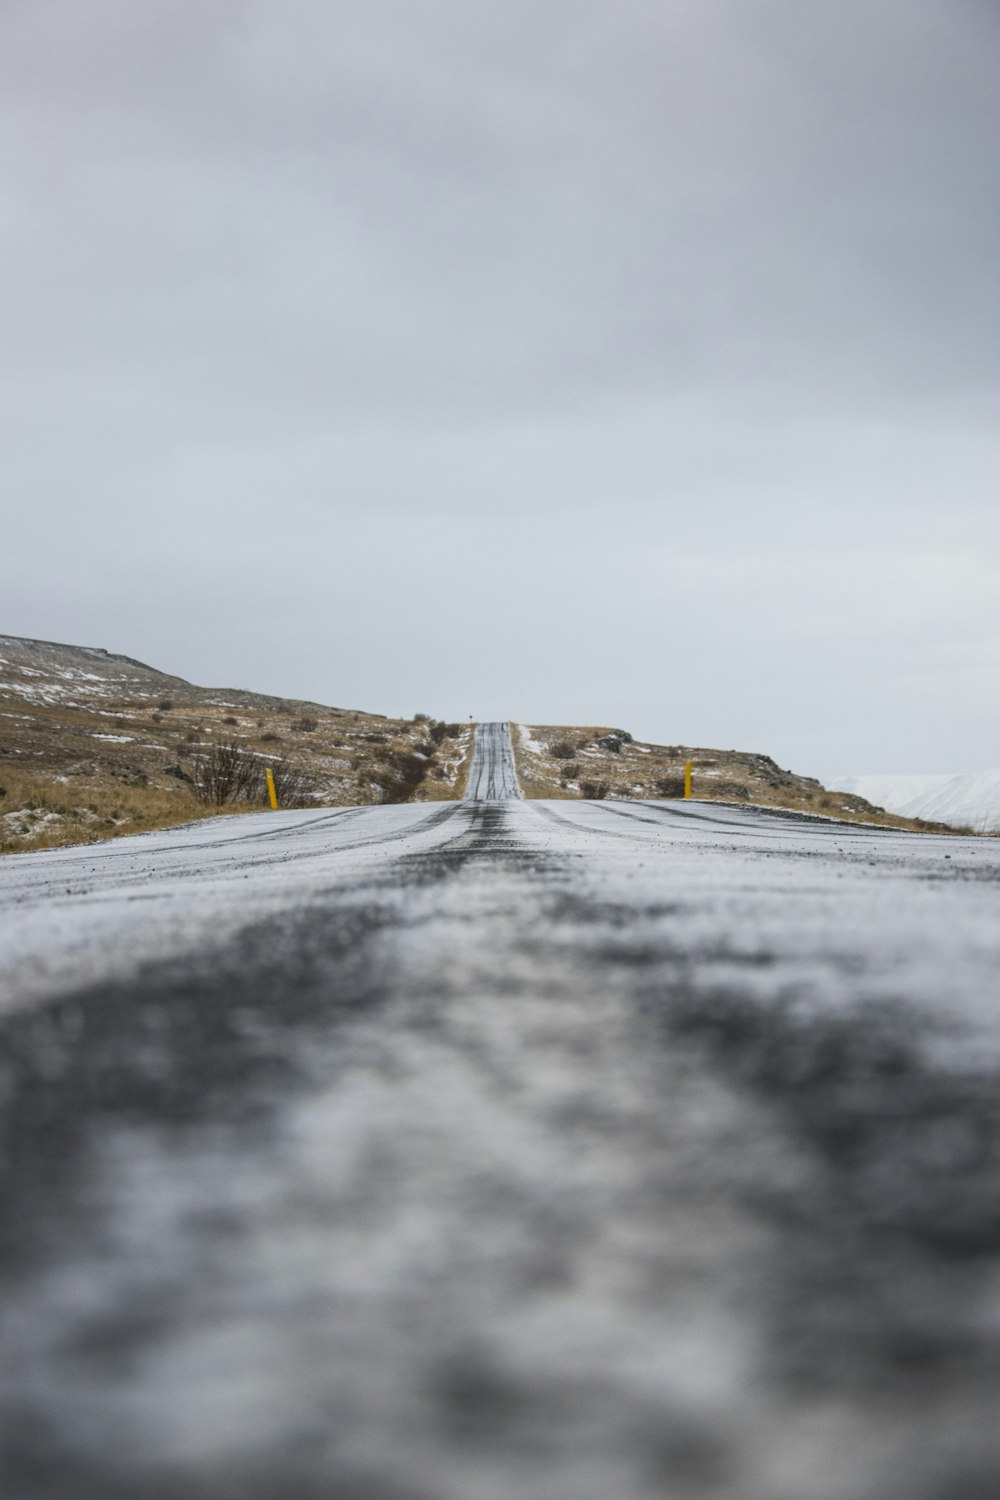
(492, 775)
(548, 1150)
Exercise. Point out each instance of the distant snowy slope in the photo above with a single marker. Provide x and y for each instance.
(971, 799)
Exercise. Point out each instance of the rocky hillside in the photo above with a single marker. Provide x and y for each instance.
(93, 744)
(559, 761)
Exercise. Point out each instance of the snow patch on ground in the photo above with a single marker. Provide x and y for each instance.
(33, 691)
(26, 823)
(528, 741)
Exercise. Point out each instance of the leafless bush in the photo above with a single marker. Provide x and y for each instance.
(670, 786)
(165, 704)
(421, 718)
(270, 738)
(440, 731)
(594, 791)
(305, 725)
(562, 750)
(570, 771)
(293, 785)
(226, 772)
(401, 775)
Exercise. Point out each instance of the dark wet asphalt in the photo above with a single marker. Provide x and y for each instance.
(501, 1149)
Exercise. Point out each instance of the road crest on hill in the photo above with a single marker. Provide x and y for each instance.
(493, 775)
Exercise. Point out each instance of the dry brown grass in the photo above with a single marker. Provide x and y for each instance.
(44, 813)
(448, 772)
(464, 765)
(538, 776)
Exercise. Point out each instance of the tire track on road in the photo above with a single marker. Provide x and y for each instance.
(493, 776)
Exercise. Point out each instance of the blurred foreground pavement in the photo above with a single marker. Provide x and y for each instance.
(559, 1151)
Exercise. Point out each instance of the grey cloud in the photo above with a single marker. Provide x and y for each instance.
(713, 276)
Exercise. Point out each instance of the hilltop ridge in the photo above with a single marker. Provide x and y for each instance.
(51, 671)
(94, 743)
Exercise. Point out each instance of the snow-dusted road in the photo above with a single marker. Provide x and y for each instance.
(492, 776)
(556, 1151)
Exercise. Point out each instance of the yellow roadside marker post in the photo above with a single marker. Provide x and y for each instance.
(687, 778)
(272, 794)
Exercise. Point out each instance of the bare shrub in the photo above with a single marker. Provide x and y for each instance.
(230, 719)
(402, 774)
(293, 785)
(226, 772)
(270, 738)
(421, 718)
(305, 725)
(165, 704)
(670, 786)
(570, 771)
(594, 791)
(562, 750)
(229, 772)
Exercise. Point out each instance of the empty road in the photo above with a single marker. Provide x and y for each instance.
(492, 777)
(501, 1150)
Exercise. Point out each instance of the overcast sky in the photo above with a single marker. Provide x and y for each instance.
(631, 363)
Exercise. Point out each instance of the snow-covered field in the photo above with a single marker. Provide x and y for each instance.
(967, 800)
